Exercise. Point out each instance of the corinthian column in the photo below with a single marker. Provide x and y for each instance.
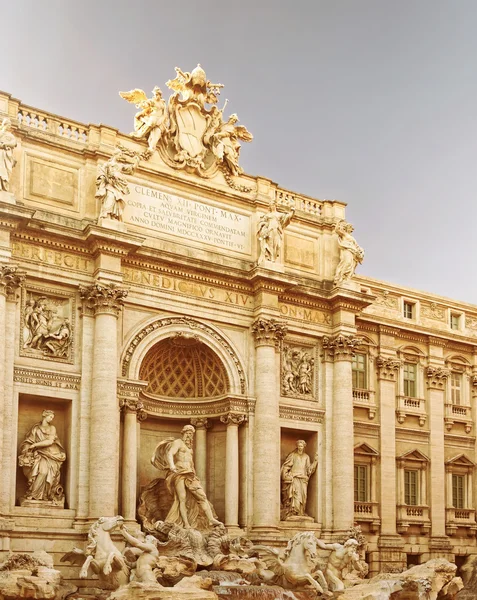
(232, 421)
(200, 460)
(339, 349)
(387, 375)
(436, 382)
(132, 407)
(266, 436)
(105, 302)
(10, 280)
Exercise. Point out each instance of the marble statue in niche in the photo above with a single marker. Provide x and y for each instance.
(190, 507)
(270, 233)
(295, 474)
(7, 145)
(297, 372)
(41, 458)
(46, 327)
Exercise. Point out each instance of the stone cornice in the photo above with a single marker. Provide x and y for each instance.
(49, 379)
(11, 278)
(106, 241)
(297, 413)
(340, 347)
(435, 341)
(171, 408)
(269, 332)
(437, 377)
(101, 298)
(387, 367)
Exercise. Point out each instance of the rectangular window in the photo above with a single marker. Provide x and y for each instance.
(410, 376)
(454, 321)
(456, 388)
(358, 366)
(411, 479)
(409, 310)
(360, 483)
(458, 491)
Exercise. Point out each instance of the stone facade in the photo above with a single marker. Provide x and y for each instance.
(167, 316)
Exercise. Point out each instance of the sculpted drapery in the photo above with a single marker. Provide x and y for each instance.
(295, 473)
(41, 457)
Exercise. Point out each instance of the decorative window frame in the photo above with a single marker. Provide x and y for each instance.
(457, 313)
(365, 455)
(366, 398)
(460, 517)
(461, 413)
(416, 514)
(416, 309)
(407, 406)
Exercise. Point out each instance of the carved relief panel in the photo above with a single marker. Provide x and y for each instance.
(298, 372)
(47, 324)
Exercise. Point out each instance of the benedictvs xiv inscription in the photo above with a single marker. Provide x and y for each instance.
(188, 218)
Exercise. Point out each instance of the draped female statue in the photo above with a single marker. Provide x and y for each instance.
(41, 457)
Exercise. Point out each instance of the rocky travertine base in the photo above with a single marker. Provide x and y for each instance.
(145, 591)
(434, 580)
(31, 576)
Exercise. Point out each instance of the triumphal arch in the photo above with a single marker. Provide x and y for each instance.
(151, 291)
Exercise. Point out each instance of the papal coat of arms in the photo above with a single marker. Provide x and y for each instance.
(186, 132)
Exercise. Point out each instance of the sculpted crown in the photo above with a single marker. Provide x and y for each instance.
(186, 133)
(103, 297)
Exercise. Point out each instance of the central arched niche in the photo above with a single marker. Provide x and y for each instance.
(184, 367)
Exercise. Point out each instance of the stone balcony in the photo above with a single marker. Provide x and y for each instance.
(367, 512)
(365, 399)
(408, 515)
(411, 407)
(461, 518)
(457, 413)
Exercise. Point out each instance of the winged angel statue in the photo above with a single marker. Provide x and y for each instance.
(186, 132)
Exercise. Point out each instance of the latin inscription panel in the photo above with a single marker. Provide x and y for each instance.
(190, 219)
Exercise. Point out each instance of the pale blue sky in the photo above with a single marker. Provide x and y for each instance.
(372, 102)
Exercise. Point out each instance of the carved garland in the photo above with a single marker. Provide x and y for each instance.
(193, 325)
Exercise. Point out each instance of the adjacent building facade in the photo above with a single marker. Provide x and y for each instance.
(173, 315)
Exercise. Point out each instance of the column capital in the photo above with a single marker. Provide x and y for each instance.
(200, 422)
(233, 419)
(100, 298)
(128, 393)
(269, 332)
(437, 377)
(10, 279)
(130, 405)
(340, 347)
(473, 380)
(387, 367)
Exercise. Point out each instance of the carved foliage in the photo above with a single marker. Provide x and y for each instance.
(297, 372)
(128, 392)
(200, 422)
(47, 324)
(437, 377)
(340, 347)
(269, 332)
(102, 298)
(387, 367)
